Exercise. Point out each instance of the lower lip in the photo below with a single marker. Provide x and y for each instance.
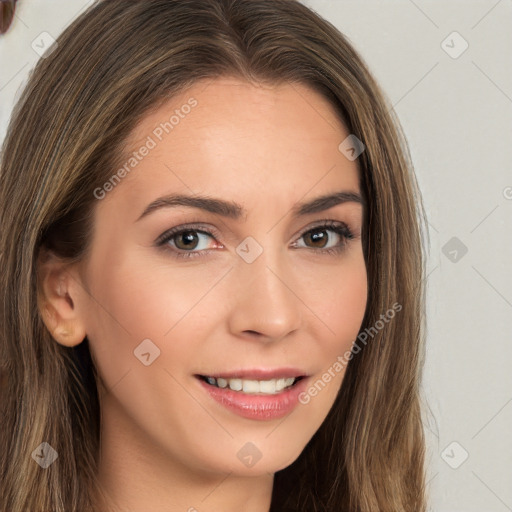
(257, 407)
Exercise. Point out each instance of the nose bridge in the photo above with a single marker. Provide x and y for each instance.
(265, 301)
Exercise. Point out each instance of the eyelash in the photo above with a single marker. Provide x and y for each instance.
(340, 228)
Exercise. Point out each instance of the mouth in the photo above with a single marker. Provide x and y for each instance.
(251, 386)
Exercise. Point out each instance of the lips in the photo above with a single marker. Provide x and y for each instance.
(263, 406)
(255, 381)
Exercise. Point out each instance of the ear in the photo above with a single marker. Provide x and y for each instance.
(58, 290)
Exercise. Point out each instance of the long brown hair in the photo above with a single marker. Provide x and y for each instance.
(110, 67)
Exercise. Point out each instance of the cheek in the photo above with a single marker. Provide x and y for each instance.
(343, 305)
(135, 301)
(349, 304)
(343, 300)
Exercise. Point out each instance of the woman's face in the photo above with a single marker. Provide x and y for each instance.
(261, 287)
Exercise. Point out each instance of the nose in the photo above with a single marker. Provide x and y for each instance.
(265, 304)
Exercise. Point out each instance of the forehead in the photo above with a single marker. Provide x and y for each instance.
(227, 136)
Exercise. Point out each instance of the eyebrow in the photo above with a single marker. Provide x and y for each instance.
(234, 210)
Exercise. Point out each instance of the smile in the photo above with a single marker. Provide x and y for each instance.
(267, 387)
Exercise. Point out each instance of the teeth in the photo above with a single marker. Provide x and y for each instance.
(235, 384)
(222, 383)
(269, 387)
(250, 386)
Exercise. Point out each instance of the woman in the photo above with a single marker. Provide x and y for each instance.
(212, 264)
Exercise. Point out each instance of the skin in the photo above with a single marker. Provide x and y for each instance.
(166, 445)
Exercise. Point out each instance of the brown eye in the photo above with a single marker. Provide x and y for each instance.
(186, 240)
(7, 8)
(322, 237)
(318, 238)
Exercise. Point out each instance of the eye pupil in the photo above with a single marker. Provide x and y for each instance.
(187, 236)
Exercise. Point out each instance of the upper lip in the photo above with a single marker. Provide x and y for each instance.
(257, 373)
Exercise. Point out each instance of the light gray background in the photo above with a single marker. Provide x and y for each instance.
(456, 113)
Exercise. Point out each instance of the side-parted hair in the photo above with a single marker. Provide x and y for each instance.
(117, 62)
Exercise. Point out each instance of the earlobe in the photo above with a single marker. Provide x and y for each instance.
(57, 300)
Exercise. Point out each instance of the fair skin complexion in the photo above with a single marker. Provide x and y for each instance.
(166, 445)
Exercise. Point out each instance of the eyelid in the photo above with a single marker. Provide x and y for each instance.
(329, 223)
